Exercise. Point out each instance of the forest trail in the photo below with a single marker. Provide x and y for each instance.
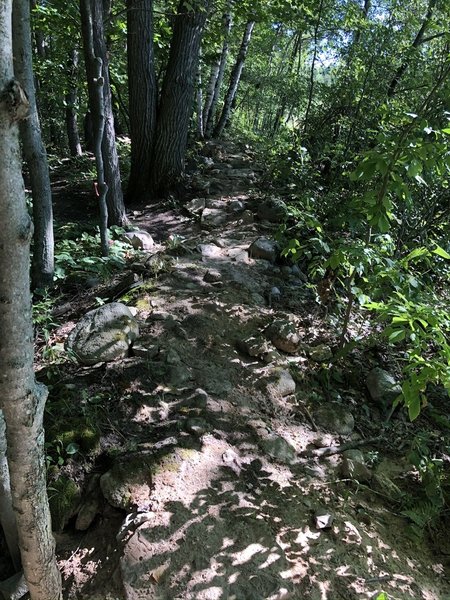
(226, 400)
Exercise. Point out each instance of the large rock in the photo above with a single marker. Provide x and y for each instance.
(128, 484)
(140, 240)
(273, 210)
(213, 217)
(284, 335)
(264, 248)
(382, 387)
(103, 334)
(335, 418)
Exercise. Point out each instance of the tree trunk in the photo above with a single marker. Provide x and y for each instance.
(234, 80)
(22, 400)
(209, 95)
(34, 152)
(210, 111)
(142, 94)
(200, 125)
(73, 136)
(177, 97)
(7, 516)
(93, 36)
(313, 66)
(417, 41)
(96, 82)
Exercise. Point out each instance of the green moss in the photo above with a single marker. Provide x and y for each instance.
(81, 433)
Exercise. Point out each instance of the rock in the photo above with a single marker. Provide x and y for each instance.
(213, 217)
(196, 205)
(320, 353)
(273, 210)
(296, 272)
(278, 448)
(236, 206)
(356, 470)
(90, 504)
(286, 271)
(103, 334)
(246, 217)
(264, 248)
(382, 387)
(212, 276)
(284, 335)
(144, 351)
(255, 346)
(196, 425)
(140, 240)
(354, 454)
(128, 484)
(209, 250)
(323, 519)
(284, 385)
(335, 418)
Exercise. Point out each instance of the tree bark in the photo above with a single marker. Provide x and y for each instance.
(177, 97)
(234, 80)
(142, 90)
(96, 83)
(34, 152)
(313, 66)
(211, 109)
(22, 400)
(73, 136)
(417, 41)
(7, 516)
(93, 36)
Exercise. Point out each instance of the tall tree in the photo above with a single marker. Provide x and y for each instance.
(217, 76)
(34, 151)
(234, 80)
(22, 400)
(71, 100)
(177, 96)
(142, 90)
(92, 16)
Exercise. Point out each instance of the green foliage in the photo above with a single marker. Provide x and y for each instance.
(82, 254)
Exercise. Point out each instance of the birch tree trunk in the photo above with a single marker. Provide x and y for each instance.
(235, 78)
(211, 109)
(142, 91)
(73, 135)
(22, 400)
(34, 151)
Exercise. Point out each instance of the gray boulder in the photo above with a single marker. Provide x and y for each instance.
(273, 210)
(264, 248)
(103, 334)
(382, 387)
(284, 335)
(140, 240)
(128, 484)
(335, 418)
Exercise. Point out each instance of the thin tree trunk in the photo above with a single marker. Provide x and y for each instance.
(209, 95)
(417, 41)
(177, 97)
(96, 83)
(234, 80)
(73, 136)
(313, 66)
(34, 152)
(94, 47)
(142, 94)
(210, 110)
(22, 400)
(200, 125)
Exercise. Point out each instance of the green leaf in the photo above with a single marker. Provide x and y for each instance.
(414, 408)
(441, 252)
(397, 336)
(383, 224)
(382, 596)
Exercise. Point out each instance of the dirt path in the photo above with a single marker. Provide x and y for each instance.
(235, 509)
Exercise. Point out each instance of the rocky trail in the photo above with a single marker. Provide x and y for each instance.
(219, 471)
